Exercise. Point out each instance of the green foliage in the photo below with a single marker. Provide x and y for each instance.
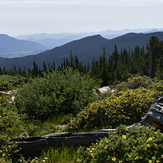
(130, 145)
(51, 125)
(5, 85)
(8, 153)
(125, 107)
(156, 85)
(54, 155)
(58, 92)
(11, 124)
(139, 81)
(135, 82)
(8, 82)
(58, 155)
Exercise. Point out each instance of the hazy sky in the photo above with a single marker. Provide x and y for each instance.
(57, 16)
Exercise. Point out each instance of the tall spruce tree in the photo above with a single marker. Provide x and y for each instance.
(153, 50)
(103, 68)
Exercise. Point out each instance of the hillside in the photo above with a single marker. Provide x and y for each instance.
(53, 40)
(11, 47)
(86, 49)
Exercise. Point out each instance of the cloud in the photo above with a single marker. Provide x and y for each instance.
(140, 2)
(47, 2)
(82, 2)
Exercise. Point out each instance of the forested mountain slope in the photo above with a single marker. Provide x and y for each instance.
(85, 49)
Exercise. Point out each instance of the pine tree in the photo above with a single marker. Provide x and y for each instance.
(153, 53)
(44, 67)
(35, 70)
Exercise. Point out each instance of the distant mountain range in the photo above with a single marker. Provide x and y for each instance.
(11, 47)
(53, 40)
(86, 49)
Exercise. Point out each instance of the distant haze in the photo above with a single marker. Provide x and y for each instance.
(53, 40)
(20, 17)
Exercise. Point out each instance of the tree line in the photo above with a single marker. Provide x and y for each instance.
(108, 68)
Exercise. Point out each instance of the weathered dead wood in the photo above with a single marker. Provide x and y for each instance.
(33, 146)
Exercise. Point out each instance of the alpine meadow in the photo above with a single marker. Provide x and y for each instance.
(54, 95)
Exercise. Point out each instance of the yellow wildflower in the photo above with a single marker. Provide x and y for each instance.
(123, 136)
(92, 154)
(78, 160)
(113, 158)
(151, 138)
(150, 161)
(136, 157)
(148, 145)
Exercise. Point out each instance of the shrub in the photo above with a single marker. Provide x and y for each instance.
(134, 145)
(58, 92)
(139, 81)
(157, 86)
(11, 124)
(5, 85)
(136, 82)
(8, 82)
(125, 107)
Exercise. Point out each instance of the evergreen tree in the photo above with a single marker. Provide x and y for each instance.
(103, 68)
(44, 67)
(159, 67)
(1, 72)
(153, 53)
(35, 70)
(113, 63)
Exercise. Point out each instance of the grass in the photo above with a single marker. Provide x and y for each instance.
(62, 154)
(59, 155)
(52, 125)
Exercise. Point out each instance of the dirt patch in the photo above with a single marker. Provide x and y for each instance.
(60, 127)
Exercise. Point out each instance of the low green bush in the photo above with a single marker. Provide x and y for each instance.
(11, 124)
(124, 107)
(157, 86)
(58, 92)
(136, 82)
(8, 82)
(132, 145)
(5, 86)
(139, 81)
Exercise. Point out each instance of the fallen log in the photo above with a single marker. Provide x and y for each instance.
(33, 146)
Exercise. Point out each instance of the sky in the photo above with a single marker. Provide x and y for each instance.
(20, 17)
